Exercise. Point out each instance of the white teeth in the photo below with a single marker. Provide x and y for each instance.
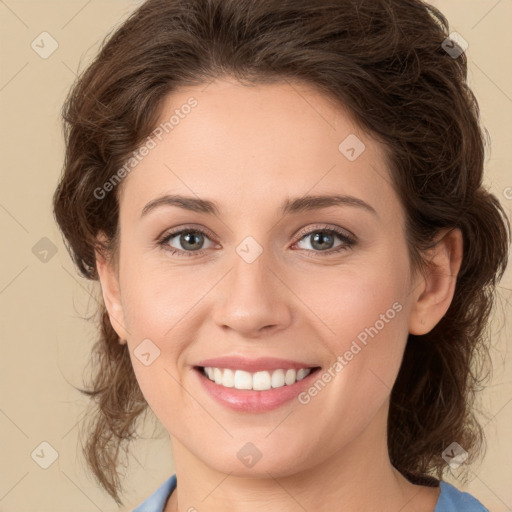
(261, 381)
(217, 376)
(289, 378)
(278, 378)
(228, 378)
(243, 380)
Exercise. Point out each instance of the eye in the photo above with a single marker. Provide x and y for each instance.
(323, 240)
(191, 242)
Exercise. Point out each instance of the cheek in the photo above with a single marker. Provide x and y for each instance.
(369, 319)
(357, 302)
(364, 324)
(154, 310)
(365, 316)
(156, 299)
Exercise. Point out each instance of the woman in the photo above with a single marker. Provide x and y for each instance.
(283, 204)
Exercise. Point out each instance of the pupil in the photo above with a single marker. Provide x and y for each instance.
(185, 240)
(319, 238)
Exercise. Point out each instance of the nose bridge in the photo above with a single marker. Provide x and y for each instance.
(251, 297)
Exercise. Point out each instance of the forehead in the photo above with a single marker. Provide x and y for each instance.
(250, 146)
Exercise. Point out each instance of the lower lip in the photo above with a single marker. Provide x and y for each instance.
(248, 400)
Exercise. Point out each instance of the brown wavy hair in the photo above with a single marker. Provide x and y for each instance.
(384, 61)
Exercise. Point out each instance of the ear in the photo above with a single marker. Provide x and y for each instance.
(434, 292)
(109, 281)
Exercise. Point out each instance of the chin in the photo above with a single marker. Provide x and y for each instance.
(248, 461)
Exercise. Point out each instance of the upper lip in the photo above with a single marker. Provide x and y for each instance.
(253, 365)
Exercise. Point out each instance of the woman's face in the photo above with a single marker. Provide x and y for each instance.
(264, 277)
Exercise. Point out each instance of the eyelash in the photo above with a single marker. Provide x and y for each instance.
(348, 242)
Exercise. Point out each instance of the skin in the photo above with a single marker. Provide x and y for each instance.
(248, 149)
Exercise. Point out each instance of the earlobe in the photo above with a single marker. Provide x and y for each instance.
(109, 282)
(434, 291)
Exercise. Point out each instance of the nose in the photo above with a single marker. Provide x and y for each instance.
(253, 299)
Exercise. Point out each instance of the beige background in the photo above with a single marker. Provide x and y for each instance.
(45, 343)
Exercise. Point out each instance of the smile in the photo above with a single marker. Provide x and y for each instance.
(260, 381)
(253, 392)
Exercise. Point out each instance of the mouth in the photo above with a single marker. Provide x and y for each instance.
(247, 384)
(263, 380)
(254, 392)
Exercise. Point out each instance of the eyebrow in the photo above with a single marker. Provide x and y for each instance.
(290, 206)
